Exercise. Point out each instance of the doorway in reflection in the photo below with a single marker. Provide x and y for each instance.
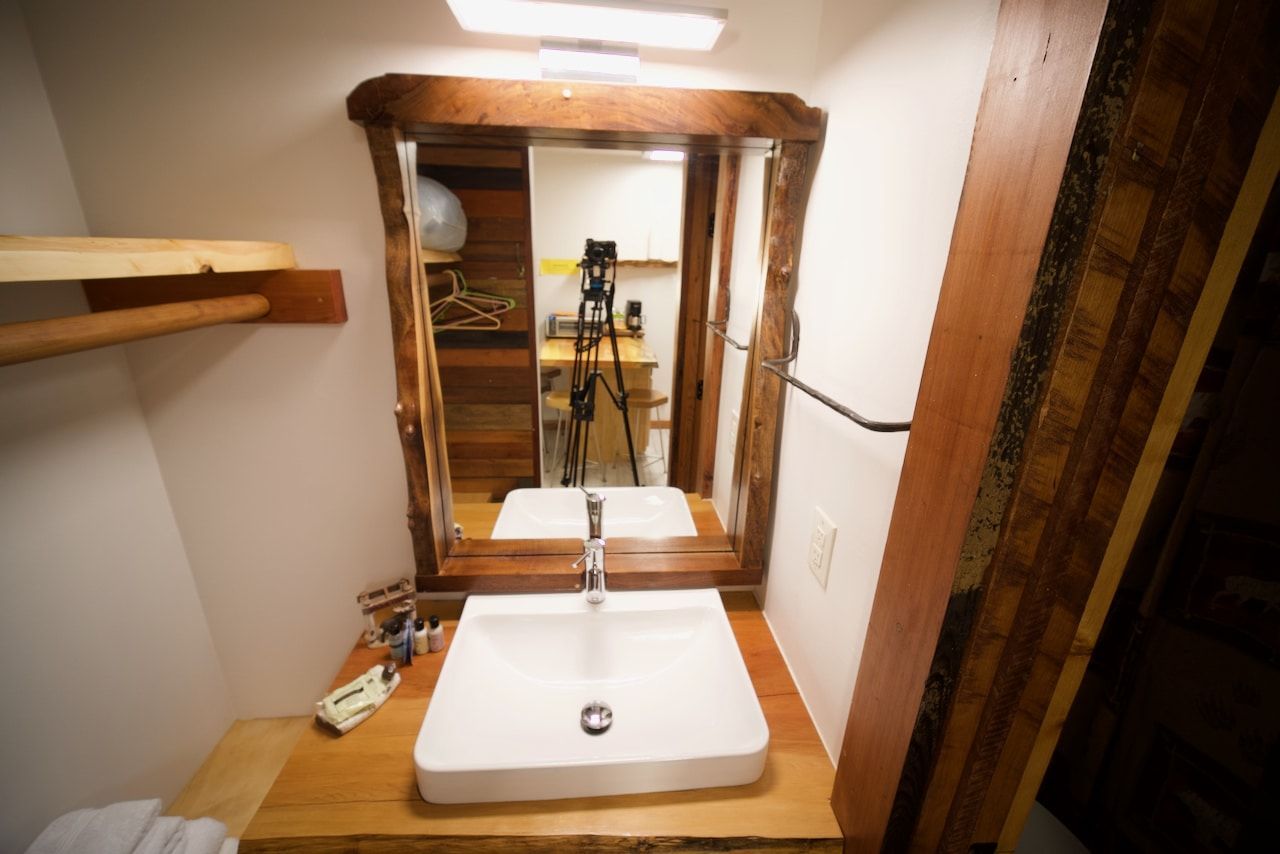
(634, 200)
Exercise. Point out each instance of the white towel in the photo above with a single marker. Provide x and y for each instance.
(132, 827)
(114, 829)
(164, 836)
(204, 836)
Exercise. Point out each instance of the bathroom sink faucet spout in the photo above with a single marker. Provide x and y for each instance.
(593, 550)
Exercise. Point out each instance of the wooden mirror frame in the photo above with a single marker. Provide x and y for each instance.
(398, 108)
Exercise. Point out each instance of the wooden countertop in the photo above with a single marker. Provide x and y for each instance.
(361, 788)
(632, 352)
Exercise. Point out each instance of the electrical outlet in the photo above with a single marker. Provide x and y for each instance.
(821, 542)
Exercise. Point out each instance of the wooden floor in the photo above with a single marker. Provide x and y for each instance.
(360, 791)
(478, 518)
(236, 776)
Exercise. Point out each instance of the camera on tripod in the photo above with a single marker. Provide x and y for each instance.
(597, 257)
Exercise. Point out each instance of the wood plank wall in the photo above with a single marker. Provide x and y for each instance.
(489, 378)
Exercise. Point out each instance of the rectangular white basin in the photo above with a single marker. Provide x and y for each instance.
(505, 720)
(629, 511)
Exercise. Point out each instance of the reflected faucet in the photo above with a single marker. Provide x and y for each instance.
(593, 550)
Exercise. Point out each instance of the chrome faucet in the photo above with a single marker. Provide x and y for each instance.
(593, 550)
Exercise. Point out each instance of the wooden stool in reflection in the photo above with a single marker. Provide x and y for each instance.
(546, 375)
(646, 399)
(559, 401)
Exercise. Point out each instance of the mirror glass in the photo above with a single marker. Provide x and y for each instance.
(531, 395)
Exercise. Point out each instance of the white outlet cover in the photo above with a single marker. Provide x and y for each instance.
(821, 543)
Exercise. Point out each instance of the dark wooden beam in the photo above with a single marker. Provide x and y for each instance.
(1035, 83)
(554, 572)
(695, 282)
(573, 547)
(536, 108)
(713, 346)
(1199, 94)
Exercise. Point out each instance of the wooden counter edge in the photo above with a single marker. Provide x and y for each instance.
(393, 844)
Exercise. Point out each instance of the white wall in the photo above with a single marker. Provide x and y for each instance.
(277, 445)
(113, 690)
(901, 81)
(610, 195)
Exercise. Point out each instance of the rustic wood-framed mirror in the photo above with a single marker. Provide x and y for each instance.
(399, 112)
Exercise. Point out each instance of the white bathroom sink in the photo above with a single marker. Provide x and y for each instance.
(505, 720)
(629, 511)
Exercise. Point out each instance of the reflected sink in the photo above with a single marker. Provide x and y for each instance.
(506, 719)
(629, 511)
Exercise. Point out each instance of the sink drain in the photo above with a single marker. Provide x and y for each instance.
(596, 717)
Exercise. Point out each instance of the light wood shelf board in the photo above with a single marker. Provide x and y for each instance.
(649, 263)
(237, 774)
(44, 259)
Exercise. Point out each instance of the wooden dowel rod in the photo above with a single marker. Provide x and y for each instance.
(434, 279)
(38, 339)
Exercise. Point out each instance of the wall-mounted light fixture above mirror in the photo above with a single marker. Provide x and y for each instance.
(642, 22)
(412, 122)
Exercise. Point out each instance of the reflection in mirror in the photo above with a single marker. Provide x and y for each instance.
(633, 201)
(503, 303)
(734, 308)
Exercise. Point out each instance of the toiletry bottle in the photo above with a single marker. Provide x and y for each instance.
(435, 635)
(406, 640)
(393, 631)
(420, 640)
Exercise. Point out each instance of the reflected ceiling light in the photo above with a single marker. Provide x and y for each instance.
(588, 61)
(633, 21)
(664, 154)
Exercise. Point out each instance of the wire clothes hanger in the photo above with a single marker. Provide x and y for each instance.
(775, 366)
(480, 310)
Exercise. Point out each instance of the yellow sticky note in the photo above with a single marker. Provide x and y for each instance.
(558, 266)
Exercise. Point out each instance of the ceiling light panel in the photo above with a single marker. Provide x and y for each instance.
(631, 21)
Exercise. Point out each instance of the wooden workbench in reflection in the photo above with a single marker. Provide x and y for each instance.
(638, 361)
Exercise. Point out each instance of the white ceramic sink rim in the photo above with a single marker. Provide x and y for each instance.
(502, 724)
(629, 511)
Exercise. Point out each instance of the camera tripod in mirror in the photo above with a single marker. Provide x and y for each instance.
(595, 320)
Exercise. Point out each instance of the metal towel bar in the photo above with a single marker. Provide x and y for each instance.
(774, 366)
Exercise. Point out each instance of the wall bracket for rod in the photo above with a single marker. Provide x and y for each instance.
(775, 366)
(716, 327)
(719, 327)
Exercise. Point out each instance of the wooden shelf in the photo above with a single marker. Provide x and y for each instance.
(431, 256)
(650, 263)
(143, 287)
(46, 259)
